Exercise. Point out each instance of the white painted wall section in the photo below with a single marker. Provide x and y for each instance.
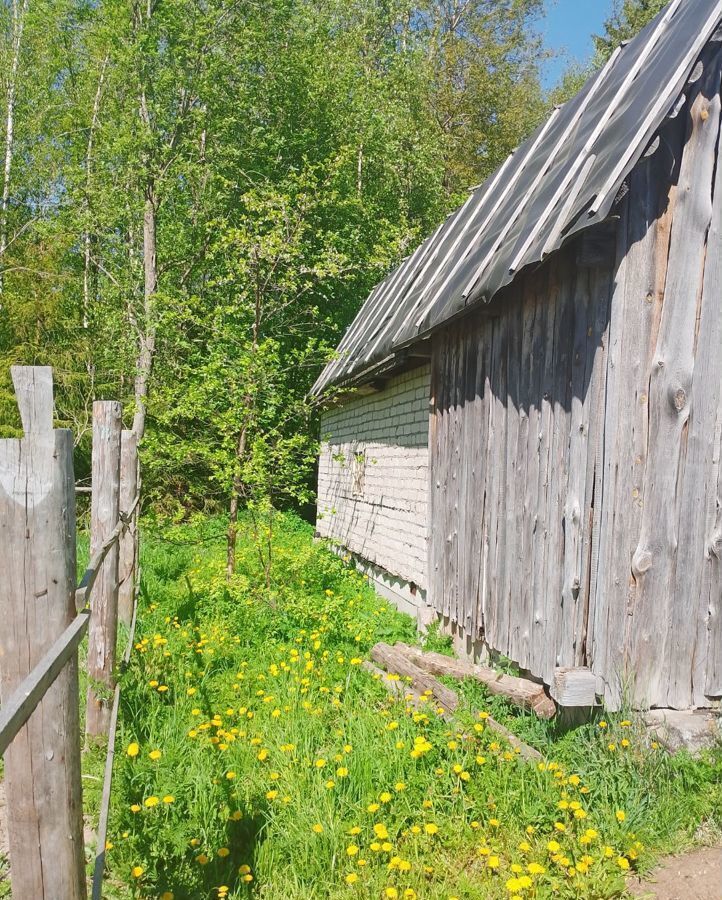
(373, 477)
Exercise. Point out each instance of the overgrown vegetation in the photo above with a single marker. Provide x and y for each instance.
(259, 758)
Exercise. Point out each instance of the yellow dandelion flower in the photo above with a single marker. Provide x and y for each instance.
(155, 754)
(224, 852)
(133, 749)
(137, 871)
(169, 798)
(351, 878)
(150, 802)
(620, 815)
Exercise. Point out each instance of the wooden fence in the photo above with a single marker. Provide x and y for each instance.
(45, 617)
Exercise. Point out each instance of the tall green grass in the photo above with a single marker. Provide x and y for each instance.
(277, 747)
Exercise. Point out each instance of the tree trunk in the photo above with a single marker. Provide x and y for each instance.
(232, 534)
(89, 268)
(18, 22)
(147, 331)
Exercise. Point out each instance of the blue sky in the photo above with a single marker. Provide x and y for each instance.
(568, 27)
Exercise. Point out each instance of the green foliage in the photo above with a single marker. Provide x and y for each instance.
(629, 17)
(277, 747)
(291, 153)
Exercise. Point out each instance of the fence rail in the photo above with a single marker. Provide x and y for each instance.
(45, 617)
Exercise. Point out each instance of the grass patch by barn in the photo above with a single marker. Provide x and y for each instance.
(257, 758)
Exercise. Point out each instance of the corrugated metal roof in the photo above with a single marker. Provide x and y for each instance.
(563, 179)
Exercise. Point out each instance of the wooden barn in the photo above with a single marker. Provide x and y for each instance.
(531, 448)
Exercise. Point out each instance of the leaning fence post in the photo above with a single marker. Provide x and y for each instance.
(104, 509)
(128, 547)
(37, 602)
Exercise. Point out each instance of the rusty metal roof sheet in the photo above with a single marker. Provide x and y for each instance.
(563, 179)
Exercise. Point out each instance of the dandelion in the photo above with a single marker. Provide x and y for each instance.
(135, 808)
(155, 755)
(317, 828)
(620, 815)
(230, 775)
(351, 878)
(431, 828)
(223, 852)
(493, 862)
(169, 798)
(342, 772)
(202, 859)
(535, 868)
(391, 893)
(352, 850)
(133, 750)
(151, 802)
(623, 863)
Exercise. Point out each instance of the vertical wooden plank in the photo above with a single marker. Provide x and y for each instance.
(568, 461)
(526, 457)
(508, 626)
(657, 629)
(105, 505)
(478, 449)
(37, 602)
(697, 657)
(468, 499)
(601, 292)
(128, 546)
(541, 653)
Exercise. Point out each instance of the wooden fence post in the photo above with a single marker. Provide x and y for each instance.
(104, 509)
(37, 602)
(128, 548)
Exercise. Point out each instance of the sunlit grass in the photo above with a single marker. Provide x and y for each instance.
(264, 759)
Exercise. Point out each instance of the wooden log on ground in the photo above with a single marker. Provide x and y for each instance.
(37, 588)
(521, 691)
(128, 547)
(395, 662)
(104, 514)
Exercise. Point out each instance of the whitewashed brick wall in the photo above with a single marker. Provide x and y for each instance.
(373, 471)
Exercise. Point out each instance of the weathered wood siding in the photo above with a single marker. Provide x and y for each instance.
(575, 486)
(655, 617)
(514, 429)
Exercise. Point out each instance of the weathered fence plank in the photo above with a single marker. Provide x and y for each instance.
(104, 513)
(37, 589)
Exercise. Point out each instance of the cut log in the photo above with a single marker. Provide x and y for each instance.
(521, 691)
(395, 662)
(574, 687)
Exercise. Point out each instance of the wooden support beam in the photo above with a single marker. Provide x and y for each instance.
(37, 588)
(521, 691)
(574, 687)
(422, 683)
(104, 516)
(128, 547)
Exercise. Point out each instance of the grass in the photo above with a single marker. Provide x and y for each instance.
(257, 758)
